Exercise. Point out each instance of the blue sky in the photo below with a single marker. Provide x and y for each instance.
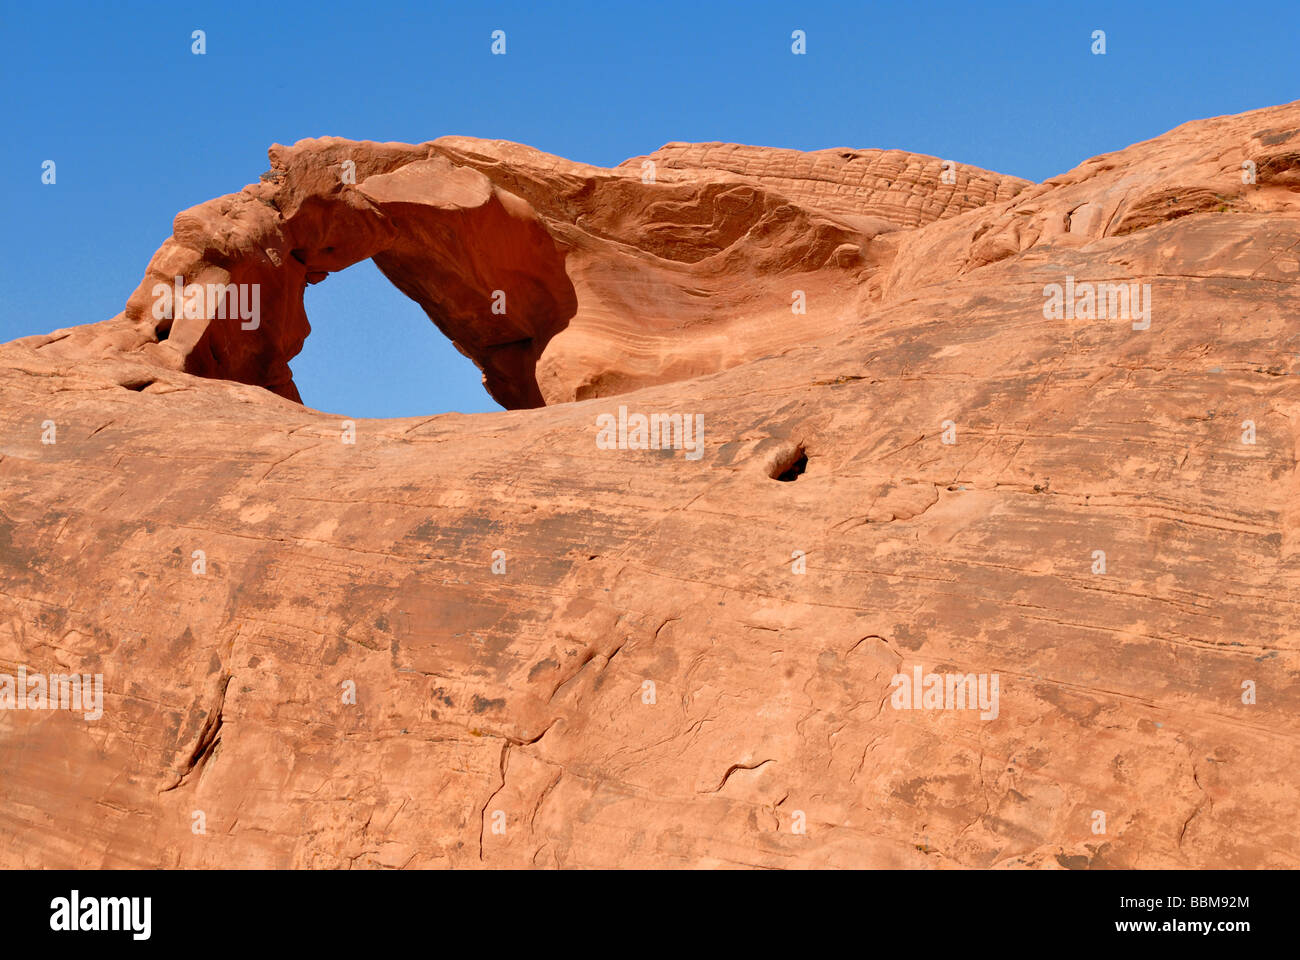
(141, 128)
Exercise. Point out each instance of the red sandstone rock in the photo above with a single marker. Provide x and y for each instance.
(519, 698)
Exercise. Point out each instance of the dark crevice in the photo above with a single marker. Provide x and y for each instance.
(208, 741)
(732, 769)
(791, 468)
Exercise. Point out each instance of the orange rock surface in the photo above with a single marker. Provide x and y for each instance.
(491, 640)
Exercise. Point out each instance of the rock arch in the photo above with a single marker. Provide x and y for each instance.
(613, 280)
(443, 234)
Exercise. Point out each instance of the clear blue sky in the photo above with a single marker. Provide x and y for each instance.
(141, 128)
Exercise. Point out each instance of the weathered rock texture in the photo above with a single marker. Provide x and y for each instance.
(519, 697)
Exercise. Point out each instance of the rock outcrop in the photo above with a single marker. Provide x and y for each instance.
(945, 423)
(561, 281)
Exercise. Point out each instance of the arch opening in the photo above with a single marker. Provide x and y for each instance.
(373, 353)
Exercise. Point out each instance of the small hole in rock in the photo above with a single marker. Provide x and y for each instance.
(789, 472)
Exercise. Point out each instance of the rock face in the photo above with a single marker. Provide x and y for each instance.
(1037, 442)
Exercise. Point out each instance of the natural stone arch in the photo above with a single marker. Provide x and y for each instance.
(443, 234)
(613, 279)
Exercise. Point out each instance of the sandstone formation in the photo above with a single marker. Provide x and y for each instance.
(567, 655)
(667, 267)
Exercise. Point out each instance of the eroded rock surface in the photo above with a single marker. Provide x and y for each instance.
(565, 655)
